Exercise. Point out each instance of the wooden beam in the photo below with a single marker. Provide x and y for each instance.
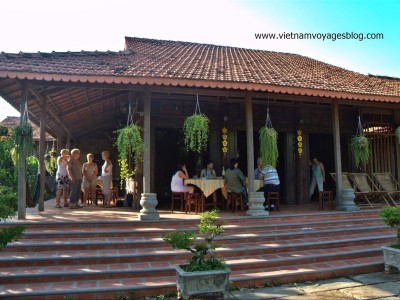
(250, 143)
(22, 157)
(42, 145)
(50, 112)
(147, 143)
(337, 151)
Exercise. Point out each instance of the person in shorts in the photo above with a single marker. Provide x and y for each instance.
(89, 179)
(62, 178)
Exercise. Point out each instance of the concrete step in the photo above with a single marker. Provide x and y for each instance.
(128, 231)
(151, 286)
(115, 256)
(166, 267)
(257, 235)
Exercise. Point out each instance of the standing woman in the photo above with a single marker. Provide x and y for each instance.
(106, 177)
(63, 181)
(318, 176)
(74, 169)
(89, 183)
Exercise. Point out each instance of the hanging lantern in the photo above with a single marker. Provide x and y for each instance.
(300, 142)
(224, 141)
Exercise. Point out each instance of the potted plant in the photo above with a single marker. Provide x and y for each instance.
(205, 272)
(130, 146)
(195, 130)
(23, 136)
(391, 254)
(359, 145)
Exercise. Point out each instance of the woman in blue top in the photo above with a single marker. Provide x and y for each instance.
(318, 176)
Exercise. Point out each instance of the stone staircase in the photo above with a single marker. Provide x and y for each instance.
(108, 259)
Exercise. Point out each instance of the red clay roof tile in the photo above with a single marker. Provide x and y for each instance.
(192, 64)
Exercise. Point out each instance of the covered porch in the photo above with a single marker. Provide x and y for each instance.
(86, 100)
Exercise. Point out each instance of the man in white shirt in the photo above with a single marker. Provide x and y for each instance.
(271, 183)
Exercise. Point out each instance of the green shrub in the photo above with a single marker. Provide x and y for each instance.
(391, 217)
(8, 207)
(204, 257)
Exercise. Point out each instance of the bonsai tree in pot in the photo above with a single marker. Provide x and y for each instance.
(205, 272)
(391, 217)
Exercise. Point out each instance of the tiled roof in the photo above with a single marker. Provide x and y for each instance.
(11, 122)
(147, 61)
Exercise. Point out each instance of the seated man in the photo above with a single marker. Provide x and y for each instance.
(258, 170)
(271, 183)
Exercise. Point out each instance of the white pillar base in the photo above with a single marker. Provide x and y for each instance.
(149, 202)
(256, 207)
(346, 201)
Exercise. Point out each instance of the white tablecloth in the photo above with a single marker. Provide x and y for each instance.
(208, 186)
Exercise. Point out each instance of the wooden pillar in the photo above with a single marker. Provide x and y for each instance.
(22, 158)
(42, 146)
(337, 152)
(250, 142)
(59, 139)
(147, 142)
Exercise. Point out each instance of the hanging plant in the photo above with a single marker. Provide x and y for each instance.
(195, 130)
(269, 146)
(359, 145)
(130, 145)
(22, 135)
(397, 133)
(269, 143)
(50, 161)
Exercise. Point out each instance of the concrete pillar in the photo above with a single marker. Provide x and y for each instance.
(342, 203)
(148, 200)
(256, 199)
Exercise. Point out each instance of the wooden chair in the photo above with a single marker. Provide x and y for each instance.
(99, 195)
(175, 196)
(194, 199)
(114, 195)
(326, 196)
(234, 199)
(387, 183)
(369, 190)
(274, 196)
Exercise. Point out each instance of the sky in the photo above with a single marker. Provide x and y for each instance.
(75, 25)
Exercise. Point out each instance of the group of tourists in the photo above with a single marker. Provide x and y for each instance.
(72, 177)
(235, 179)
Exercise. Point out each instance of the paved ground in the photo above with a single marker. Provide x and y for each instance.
(366, 286)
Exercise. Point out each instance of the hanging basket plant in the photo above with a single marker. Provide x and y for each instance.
(397, 133)
(359, 146)
(22, 135)
(50, 161)
(130, 145)
(269, 143)
(195, 130)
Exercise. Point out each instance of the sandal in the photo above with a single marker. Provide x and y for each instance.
(58, 206)
(66, 204)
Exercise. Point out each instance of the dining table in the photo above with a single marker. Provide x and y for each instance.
(208, 187)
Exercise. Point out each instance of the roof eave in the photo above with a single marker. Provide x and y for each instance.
(183, 82)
